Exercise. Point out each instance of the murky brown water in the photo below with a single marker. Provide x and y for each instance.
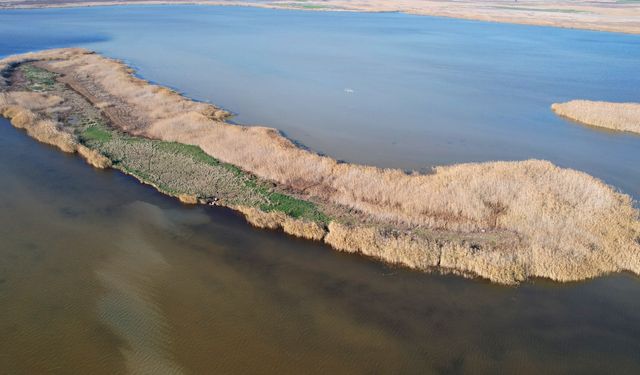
(102, 275)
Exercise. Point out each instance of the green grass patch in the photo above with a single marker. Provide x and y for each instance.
(197, 154)
(39, 79)
(94, 131)
(293, 207)
(313, 6)
(191, 151)
(145, 177)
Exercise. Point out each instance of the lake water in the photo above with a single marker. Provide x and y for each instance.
(101, 275)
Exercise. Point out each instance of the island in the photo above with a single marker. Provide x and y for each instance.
(613, 116)
(505, 221)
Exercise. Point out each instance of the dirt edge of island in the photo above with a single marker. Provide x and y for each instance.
(566, 245)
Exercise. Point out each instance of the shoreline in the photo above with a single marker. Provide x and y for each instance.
(579, 15)
(463, 229)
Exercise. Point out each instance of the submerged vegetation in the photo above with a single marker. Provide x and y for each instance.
(506, 221)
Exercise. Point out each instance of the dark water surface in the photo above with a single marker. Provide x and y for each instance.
(101, 275)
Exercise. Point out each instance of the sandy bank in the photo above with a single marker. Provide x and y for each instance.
(603, 15)
(505, 221)
(613, 116)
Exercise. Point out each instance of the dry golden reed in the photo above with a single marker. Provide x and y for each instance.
(19, 107)
(568, 225)
(614, 116)
(278, 220)
(20, 111)
(93, 157)
(188, 198)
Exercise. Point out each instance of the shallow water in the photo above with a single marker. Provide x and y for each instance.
(386, 89)
(101, 275)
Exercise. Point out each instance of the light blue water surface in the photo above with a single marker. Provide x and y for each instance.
(387, 89)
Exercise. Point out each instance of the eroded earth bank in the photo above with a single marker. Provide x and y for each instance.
(504, 221)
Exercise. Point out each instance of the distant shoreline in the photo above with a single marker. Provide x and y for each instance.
(606, 16)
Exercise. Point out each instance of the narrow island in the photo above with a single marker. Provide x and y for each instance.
(503, 221)
(613, 116)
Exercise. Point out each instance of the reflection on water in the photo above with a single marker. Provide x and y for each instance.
(101, 275)
(129, 278)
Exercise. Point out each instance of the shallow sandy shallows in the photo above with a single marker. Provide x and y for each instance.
(505, 221)
(603, 15)
(613, 116)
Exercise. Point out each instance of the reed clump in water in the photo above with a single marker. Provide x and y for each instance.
(613, 116)
(505, 221)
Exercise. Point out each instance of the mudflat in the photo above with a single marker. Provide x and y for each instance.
(504, 221)
(604, 15)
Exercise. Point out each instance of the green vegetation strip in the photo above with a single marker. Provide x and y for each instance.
(176, 168)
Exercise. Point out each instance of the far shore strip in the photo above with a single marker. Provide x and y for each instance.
(504, 221)
(600, 15)
(613, 116)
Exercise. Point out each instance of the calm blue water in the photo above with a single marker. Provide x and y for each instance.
(385, 89)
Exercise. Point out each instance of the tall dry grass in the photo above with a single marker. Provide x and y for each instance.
(8, 63)
(29, 100)
(278, 220)
(23, 108)
(569, 224)
(614, 116)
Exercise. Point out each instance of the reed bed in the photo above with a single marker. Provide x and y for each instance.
(552, 222)
(613, 116)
